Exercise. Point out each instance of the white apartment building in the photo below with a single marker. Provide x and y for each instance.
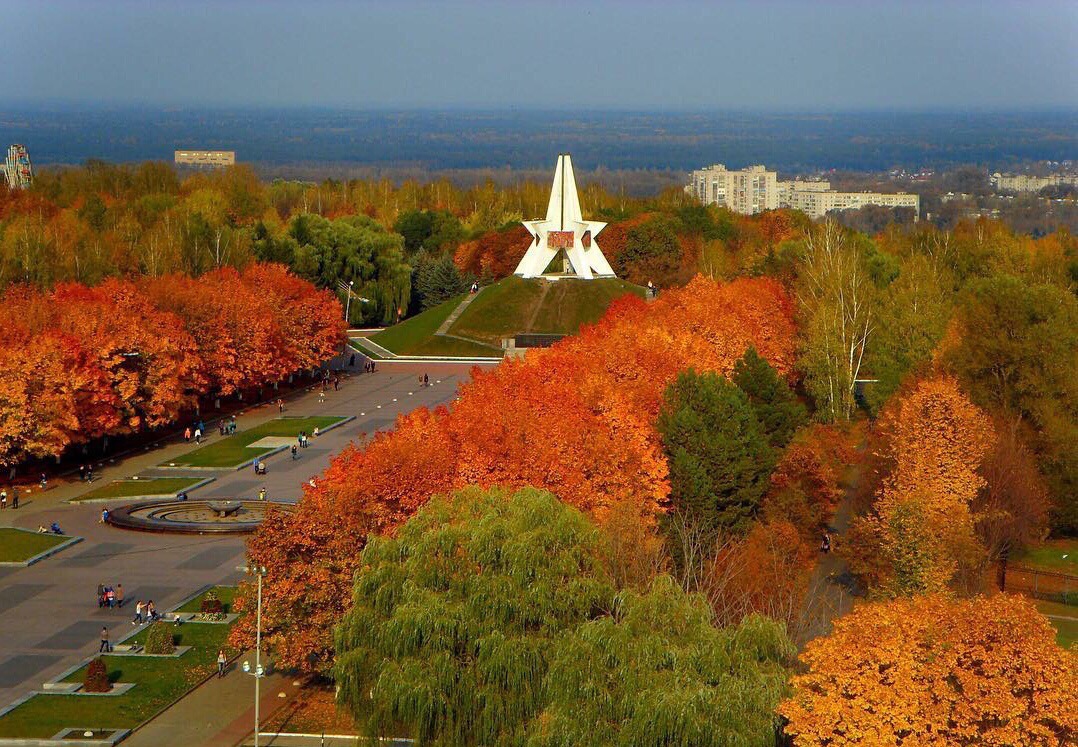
(748, 191)
(756, 189)
(817, 204)
(1029, 183)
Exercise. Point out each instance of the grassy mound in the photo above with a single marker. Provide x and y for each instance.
(515, 305)
(415, 336)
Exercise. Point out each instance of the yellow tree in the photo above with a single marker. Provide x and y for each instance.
(935, 672)
(922, 529)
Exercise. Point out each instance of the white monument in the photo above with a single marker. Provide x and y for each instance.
(564, 229)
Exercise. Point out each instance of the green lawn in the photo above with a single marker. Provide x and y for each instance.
(156, 486)
(159, 682)
(1066, 629)
(405, 337)
(225, 593)
(232, 450)
(17, 545)
(1050, 556)
(515, 305)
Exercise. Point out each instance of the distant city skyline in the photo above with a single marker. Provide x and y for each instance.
(589, 55)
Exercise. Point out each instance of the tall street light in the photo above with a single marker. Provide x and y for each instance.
(348, 302)
(258, 672)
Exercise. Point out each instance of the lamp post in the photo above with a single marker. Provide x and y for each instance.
(258, 672)
(348, 302)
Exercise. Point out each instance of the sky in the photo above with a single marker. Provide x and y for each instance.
(671, 55)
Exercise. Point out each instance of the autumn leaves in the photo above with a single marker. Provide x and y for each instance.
(78, 363)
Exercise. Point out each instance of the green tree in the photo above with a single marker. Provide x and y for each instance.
(356, 249)
(776, 406)
(912, 316)
(652, 252)
(454, 618)
(415, 227)
(436, 280)
(1017, 350)
(656, 672)
(718, 452)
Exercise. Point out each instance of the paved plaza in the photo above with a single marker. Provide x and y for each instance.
(49, 618)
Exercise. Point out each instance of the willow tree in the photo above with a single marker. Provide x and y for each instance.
(454, 617)
(656, 672)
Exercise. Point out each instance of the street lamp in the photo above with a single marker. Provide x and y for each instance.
(348, 302)
(258, 672)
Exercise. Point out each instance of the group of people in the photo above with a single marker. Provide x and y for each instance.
(424, 380)
(86, 472)
(14, 497)
(227, 427)
(188, 434)
(54, 528)
(260, 467)
(368, 367)
(145, 613)
(110, 597)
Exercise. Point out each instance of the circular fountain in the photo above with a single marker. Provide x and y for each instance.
(212, 516)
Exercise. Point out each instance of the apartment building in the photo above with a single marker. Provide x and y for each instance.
(748, 191)
(205, 157)
(756, 189)
(1029, 183)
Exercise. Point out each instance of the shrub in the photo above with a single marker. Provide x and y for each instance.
(159, 639)
(97, 677)
(211, 605)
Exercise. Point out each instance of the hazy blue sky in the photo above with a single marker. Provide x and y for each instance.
(590, 54)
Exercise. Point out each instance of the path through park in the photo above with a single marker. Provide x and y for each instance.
(49, 619)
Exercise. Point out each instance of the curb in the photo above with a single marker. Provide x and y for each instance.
(145, 497)
(41, 555)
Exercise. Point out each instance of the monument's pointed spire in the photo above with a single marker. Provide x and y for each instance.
(564, 205)
(564, 229)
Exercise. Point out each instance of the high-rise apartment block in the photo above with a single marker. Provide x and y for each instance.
(756, 189)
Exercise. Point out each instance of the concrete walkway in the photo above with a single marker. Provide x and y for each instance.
(218, 713)
(443, 328)
(48, 615)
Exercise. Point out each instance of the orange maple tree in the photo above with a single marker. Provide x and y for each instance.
(576, 419)
(80, 362)
(935, 671)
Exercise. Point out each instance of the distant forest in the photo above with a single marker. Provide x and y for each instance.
(640, 152)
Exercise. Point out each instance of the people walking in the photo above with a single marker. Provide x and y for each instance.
(262, 494)
(104, 516)
(198, 435)
(14, 497)
(426, 380)
(322, 396)
(110, 596)
(100, 595)
(222, 660)
(280, 405)
(151, 611)
(137, 619)
(104, 647)
(3, 499)
(294, 451)
(44, 481)
(187, 433)
(119, 596)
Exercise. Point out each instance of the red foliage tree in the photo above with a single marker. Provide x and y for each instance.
(575, 419)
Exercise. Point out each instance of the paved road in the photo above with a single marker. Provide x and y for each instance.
(49, 618)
